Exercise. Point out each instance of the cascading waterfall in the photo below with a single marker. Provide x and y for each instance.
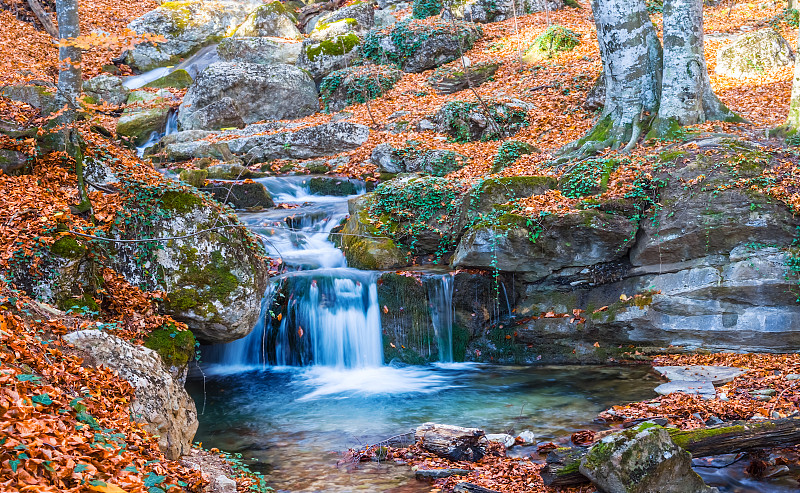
(440, 297)
(170, 128)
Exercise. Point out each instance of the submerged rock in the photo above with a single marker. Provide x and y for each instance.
(226, 93)
(642, 460)
(160, 402)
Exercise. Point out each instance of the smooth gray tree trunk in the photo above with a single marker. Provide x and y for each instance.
(793, 122)
(686, 94)
(69, 57)
(631, 55)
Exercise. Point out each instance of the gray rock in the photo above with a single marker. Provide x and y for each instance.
(178, 79)
(452, 442)
(241, 195)
(227, 171)
(495, 11)
(253, 92)
(433, 44)
(11, 161)
(222, 484)
(160, 402)
(262, 50)
(754, 54)
(527, 437)
(704, 389)
(146, 113)
(504, 438)
(642, 460)
(41, 96)
(360, 18)
(187, 27)
(469, 121)
(271, 19)
(326, 139)
(718, 375)
(335, 47)
(384, 18)
(387, 159)
(106, 88)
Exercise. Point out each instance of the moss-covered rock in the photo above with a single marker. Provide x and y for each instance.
(554, 40)
(147, 113)
(754, 54)
(449, 79)
(178, 79)
(338, 187)
(176, 347)
(493, 11)
(241, 195)
(483, 198)
(272, 20)
(416, 46)
(468, 121)
(194, 177)
(352, 85)
(509, 152)
(363, 245)
(336, 51)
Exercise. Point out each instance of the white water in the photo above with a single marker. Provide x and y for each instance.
(193, 65)
(170, 128)
(440, 296)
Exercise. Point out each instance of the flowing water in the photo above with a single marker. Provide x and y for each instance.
(310, 381)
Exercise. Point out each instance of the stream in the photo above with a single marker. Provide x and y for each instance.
(303, 388)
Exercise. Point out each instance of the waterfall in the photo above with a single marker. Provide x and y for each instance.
(169, 128)
(440, 297)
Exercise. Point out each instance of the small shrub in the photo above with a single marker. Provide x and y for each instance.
(555, 39)
(427, 8)
(360, 83)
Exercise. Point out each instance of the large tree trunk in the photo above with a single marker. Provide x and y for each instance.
(69, 57)
(686, 94)
(631, 54)
(562, 465)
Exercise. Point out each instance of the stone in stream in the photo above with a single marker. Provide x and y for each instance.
(146, 113)
(703, 389)
(452, 442)
(527, 438)
(241, 195)
(718, 375)
(503, 438)
(439, 473)
(642, 460)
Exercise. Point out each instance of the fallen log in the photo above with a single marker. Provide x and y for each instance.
(452, 442)
(561, 468)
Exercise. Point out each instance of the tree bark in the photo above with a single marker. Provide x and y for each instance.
(43, 17)
(686, 94)
(561, 468)
(794, 104)
(631, 55)
(69, 57)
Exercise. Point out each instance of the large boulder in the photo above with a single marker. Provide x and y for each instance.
(214, 278)
(330, 47)
(309, 142)
(753, 54)
(41, 96)
(485, 11)
(360, 18)
(271, 19)
(106, 88)
(484, 196)
(251, 92)
(160, 402)
(263, 50)
(537, 247)
(187, 25)
(416, 46)
(642, 460)
(410, 159)
(363, 245)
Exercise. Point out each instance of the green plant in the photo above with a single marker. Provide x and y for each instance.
(423, 9)
(360, 83)
(408, 35)
(555, 39)
(509, 152)
(587, 177)
(457, 115)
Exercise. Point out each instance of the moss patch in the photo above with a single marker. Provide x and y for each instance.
(175, 347)
(338, 46)
(68, 248)
(209, 283)
(180, 202)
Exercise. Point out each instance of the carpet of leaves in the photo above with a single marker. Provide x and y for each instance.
(764, 371)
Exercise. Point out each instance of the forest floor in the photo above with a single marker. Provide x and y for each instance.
(54, 411)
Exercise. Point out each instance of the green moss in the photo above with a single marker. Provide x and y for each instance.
(180, 202)
(68, 248)
(556, 39)
(179, 79)
(670, 156)
(175, 347)
(589, 177)
(83, 304)
(320, 185)
(572, 4)
(180, 14)
(684, 438)
(209, 283)
(194, 177)
(514, 186)
(340, 45)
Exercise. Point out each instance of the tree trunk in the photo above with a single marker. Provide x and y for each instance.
(562, 464)
(43, 17)
(69, 57)
(686, 94)
(631, 54)
(794, 104)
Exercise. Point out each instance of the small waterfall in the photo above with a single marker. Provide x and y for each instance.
(440, 297)
(170, 128)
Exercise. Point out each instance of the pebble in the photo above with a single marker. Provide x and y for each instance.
(527, 437)
(792, 376)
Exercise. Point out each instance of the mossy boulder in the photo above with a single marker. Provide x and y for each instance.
(360, 18)
(363, 245)
(194, 177)
(336, 48)
(485, 11)
(413, 158)
(106, 88)
(754, 54)
(214, 278)
(640, 460)
(241, 195)
(352, 85)
(415, 46)
(231, 171)
(147, 113)
(338, 187)
(271, 19)
(176, 347)
(470, 121)
(187, 25)
(177, 79)
(449, 79)
(482, 199)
